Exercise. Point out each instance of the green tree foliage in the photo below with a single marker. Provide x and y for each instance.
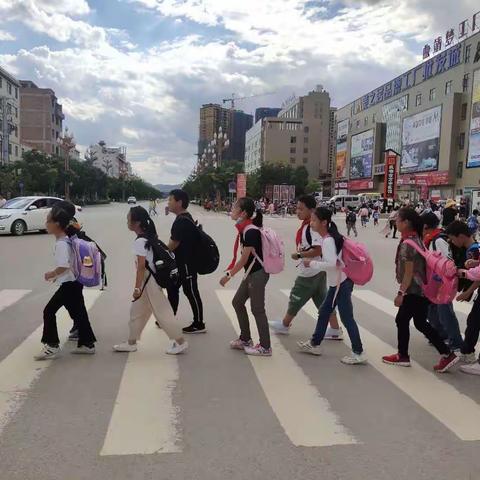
(313, 186)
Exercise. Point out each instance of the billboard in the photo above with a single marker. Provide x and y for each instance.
(473, 159)
(341, 156)
(241, 185)
(421, 141)
(361, 155)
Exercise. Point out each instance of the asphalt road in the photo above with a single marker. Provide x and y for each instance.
(215, 413)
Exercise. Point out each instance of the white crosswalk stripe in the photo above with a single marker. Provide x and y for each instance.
(427, 389)
(14, 387)
(285, 385)
(10, 297)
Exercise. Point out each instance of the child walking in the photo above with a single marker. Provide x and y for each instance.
(341, 296)
(68, 295)
(254, 282)
(148, 297)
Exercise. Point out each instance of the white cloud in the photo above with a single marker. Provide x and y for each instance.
(6, 36)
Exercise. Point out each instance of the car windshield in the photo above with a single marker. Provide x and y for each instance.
(19, 202)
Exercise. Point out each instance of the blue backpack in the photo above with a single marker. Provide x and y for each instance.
(472, 223)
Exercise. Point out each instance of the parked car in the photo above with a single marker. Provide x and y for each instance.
(345, 201)
(131, 200)
(25, 214)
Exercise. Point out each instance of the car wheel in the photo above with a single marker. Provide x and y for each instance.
(18, 228)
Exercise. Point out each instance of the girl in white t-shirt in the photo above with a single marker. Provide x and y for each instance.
(148, 296)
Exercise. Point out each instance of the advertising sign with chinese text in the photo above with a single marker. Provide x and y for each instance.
(421, 141)
(361, 155)
(473, 159)
(241, 185)
(341, 156)
(390, 175)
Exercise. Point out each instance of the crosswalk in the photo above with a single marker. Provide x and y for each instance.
(145, 417)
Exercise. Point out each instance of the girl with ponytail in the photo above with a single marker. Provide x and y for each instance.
(254, 281)
(339, 291)
(148, 297)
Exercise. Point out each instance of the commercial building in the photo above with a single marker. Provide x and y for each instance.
(111, 160)
(10, 149)
(299, 136)
(41, 121)
(264, 112)
(429, 116)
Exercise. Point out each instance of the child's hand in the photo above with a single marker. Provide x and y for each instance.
(49, 276)
(294, 256)
(471, 263)
(224, 280)
(463, 297)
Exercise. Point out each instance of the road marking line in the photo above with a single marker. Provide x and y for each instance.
(437, 397)
(9, 297)
(19, 371)
(144, 419)
(306, 417)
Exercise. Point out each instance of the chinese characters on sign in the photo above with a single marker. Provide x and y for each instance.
(390, 174)
(241, 185)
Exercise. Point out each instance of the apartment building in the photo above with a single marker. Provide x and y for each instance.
(10, 148)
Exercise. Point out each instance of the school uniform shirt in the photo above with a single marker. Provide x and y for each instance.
(440, 245)
(331, 262)
(303, 271)
(64, 259)
(140, 250)
(185, 231)
(253, 238)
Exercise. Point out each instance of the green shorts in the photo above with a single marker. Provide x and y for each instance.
(306, 288)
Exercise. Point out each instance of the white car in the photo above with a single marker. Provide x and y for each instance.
(131, 200)
(24, 214)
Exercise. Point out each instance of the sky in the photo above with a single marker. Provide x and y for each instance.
(136, 72)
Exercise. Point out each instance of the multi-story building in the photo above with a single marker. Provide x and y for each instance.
(111, 160)
(41, 124)
(264, 112)
(10, 150)
(234, 123)
(429, 116)
(298, 136)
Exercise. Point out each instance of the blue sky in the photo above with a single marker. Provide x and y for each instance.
(135, 72)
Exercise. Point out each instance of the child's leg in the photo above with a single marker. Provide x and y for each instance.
(345, 307)
(323, 316)
(238, 303)
(256, 286)
(473, 328)
(50, 332)
(76, 305)
(140, 312)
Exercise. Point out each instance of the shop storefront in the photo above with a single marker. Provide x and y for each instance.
(424, 186)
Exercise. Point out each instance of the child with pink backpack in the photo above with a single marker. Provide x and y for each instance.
(262, 255)
(341, 260)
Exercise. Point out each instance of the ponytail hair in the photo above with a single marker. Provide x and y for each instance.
(140, 215)
(323, 213)
(408, 214)
(247, 205)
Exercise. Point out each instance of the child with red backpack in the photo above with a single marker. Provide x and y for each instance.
(257, 268)
(339, 292)
(411, 273)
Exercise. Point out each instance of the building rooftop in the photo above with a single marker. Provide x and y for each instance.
(9, 77)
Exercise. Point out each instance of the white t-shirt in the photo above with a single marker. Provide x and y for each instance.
(140, 251)
(441, 246)
(64, 259)
(329, 262)
(303, 271)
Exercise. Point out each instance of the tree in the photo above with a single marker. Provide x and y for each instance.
(90, 156)
(313, 186)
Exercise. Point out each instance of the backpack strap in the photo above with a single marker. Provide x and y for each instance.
(417, 247)
(256, 257)
(308, 235)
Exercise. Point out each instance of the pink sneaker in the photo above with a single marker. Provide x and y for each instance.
(258, 351)
(239, 344)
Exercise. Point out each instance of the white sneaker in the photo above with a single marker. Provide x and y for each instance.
(278, 327)
(355, 359)
(176, 348)
(307, 347)
(83, 350)
(468, 358)
(473, 369)
(47, 353)
(333, 334)
(125, 347)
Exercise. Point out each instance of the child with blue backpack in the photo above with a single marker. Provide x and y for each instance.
(68, 295)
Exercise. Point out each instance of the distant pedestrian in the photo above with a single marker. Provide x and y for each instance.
(376, 216)
(351, 221)
(364, 215)
(392, 222)
(472, 222)
(450, 213)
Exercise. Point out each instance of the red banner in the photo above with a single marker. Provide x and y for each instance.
(241, 185)
(390, 175)
(360, 184)
(426, 179)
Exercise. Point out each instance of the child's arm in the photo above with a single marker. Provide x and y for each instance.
(140, 275)
(406, 282)
(246, 252)
(55, 273)
(467, 294)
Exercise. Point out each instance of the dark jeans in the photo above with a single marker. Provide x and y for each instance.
(416, 307)
(345, 308)
(444, 321)
(70, 296)
(393, 225)
(189, 283)
(473, 327)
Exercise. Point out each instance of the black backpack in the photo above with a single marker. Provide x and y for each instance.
(351, 217)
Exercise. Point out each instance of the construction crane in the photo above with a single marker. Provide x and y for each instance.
(233, 99)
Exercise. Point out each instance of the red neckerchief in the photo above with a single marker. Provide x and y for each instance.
(298, 238)
(240, 227)
(428, 237)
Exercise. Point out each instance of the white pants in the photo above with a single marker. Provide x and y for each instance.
(153, 301)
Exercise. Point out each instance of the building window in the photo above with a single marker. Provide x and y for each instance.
(16, 93)
(56, 150)
(306, 129)
(10, 148)
(56, 135)
(305, 140)
(461, 141)
(374, 118)
(292, 160)
(16, 112)
(358, 123)
(305, 160)
(365, 121)
(53, 133)
(418, 100)
(466, 79)
(53, 118)
(16, 150)
(448, 87)
(1, 81)
(464, 111)
(433, 94)
(305, 150)
(9, 88)
(293, 139)
(468, 52)
(459, 169)
(293, 150)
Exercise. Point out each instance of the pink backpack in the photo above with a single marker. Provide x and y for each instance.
(441, 282)
(358, 263)
(273, 250)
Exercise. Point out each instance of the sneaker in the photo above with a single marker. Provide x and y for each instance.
(195, 328)
(446, 363)
(83, 350)
(307, 347)
(258, 351)
(73, 336)
(396, 359)
(354, 359)
(279, 328)
(176, 348)
(468, 358)
(47, 353)
(471, 369)
(239, 344)
(333, 334)
(125, 347)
